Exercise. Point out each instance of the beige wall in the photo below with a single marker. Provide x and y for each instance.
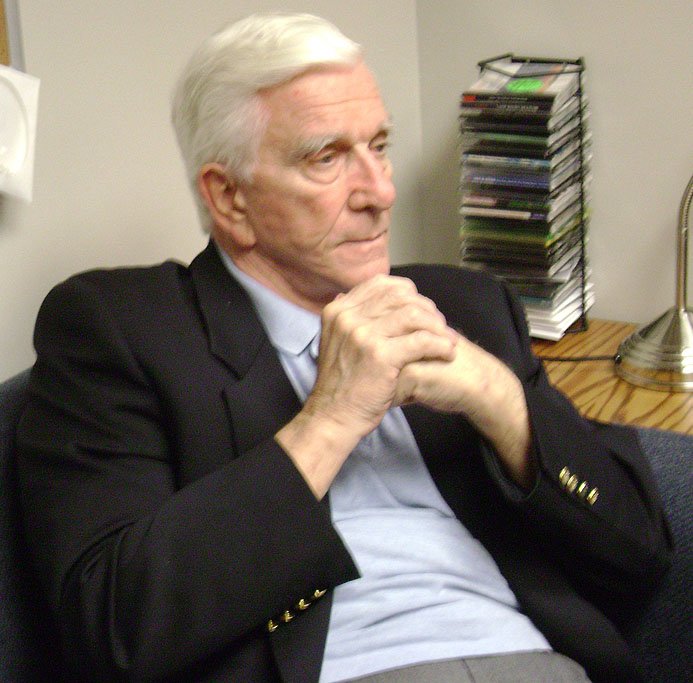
(109, 187)
(639, 78)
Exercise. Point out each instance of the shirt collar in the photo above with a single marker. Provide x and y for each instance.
(291, 329)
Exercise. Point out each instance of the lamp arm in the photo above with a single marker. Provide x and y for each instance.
(682, 250)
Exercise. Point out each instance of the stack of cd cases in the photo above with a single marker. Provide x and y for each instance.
(524, 186)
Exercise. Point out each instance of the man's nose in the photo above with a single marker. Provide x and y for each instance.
(370, 176)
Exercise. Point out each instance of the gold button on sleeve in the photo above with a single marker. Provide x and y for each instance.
(302, 604)
(582, 490)
(572, 483)
(564, 476)
(318, 594)
(287, 617)
(271, 626)
(592, 496)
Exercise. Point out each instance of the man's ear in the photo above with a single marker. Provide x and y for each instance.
(226, 204)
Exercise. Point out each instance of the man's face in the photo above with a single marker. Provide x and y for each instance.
(319, 201)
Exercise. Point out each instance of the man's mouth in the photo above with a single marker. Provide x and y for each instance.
(366, 240)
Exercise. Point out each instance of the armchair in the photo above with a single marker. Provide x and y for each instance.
(663, 635)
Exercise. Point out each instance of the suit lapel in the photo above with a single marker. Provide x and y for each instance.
(260, 402)
(258, 394)
(234, 330)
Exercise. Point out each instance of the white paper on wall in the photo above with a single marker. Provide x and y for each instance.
(18, 114)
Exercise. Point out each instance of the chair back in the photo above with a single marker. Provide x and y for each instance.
(28, 643)
(663, 634)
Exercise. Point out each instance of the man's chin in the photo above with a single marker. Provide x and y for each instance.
(360, 272)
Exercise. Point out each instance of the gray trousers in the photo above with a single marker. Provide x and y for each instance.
(521, 667)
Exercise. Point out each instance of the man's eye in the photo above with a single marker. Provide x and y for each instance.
(325, 165)
(325, 159)
(380, 148)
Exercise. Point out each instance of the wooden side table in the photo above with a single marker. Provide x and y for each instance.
(598, 392)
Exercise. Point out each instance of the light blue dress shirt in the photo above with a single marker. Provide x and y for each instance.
(428, 589)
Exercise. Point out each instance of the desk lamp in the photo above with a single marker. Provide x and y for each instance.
(660, 355)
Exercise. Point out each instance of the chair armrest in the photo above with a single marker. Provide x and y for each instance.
(663, 633)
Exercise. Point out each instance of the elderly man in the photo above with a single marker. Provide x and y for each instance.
(285, 463)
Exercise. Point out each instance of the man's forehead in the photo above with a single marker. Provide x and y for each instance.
(339, 102)
(319, 92)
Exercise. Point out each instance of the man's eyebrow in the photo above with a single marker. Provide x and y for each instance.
(308, 146)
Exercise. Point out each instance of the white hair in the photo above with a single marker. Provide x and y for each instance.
(216, 109)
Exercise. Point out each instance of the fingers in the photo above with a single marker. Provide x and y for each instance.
(376, 297)
(390, 308)
(376, 289)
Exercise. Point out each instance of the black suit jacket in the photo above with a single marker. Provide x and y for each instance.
(169, 529)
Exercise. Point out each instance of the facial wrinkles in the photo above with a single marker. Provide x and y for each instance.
(350, 121)
(301, 106)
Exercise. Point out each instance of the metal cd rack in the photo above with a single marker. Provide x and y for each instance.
(524, 185)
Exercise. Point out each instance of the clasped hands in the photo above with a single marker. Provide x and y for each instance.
(382, 345)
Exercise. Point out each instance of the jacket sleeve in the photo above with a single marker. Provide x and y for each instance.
(594, 504)
(148, 576)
